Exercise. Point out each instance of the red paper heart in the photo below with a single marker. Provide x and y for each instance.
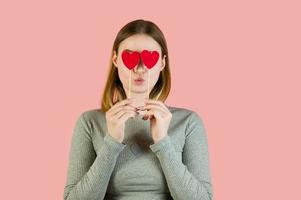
(130, 59)
(149, 58)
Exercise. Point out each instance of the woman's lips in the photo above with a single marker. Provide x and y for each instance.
(139, 81)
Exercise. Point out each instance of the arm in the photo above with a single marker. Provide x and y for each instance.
(89, 173)
(189, 179)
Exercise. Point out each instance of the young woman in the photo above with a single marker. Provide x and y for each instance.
(124, 151)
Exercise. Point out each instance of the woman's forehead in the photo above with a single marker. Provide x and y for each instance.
(139, 43)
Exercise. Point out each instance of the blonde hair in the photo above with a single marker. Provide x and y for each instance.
(113, 90)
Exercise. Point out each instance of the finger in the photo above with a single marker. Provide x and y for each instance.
(126, 116)
(120, 104)
(152, 113)
(156, 107)
(153, 109)
(122, 112)
(124, 102)
(156, 102)
(124, 107)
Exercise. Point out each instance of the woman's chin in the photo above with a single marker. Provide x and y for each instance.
(139, 89)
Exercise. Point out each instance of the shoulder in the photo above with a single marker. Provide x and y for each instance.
(184, 113)
(92, 117)
(93, 113)
(186, 122)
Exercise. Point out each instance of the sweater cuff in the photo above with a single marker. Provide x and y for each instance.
(162, 145)
(113, 145)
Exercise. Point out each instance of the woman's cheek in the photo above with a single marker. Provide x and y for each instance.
(154, 76)
(123, 77)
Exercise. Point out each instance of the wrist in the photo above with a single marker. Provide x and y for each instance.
(156, 140)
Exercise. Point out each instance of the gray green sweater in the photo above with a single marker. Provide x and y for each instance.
(176, 167)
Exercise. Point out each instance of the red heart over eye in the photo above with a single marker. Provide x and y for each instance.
(130, 59)
(149, 58)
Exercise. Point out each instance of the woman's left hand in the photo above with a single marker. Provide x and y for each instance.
(159, 116)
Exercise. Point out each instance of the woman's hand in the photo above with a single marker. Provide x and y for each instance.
(159, 116)
(117, 115)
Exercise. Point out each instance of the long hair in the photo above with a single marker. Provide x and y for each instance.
(113, 90)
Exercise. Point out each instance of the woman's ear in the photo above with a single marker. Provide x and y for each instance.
(163, 62)
(114, 59)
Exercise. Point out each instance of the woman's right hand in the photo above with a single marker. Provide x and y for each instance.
(116, 117)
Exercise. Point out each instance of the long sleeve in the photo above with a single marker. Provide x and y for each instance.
(89, 171)
(188, 178)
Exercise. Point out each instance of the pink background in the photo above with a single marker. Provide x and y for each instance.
(236, 63)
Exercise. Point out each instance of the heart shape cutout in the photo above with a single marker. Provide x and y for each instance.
(130, 59)
(149, 58)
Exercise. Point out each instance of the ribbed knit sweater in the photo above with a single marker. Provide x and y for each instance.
(176, 167)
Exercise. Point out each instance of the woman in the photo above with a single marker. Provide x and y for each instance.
(125, 151)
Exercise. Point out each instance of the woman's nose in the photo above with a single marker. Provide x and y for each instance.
(140, 67)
